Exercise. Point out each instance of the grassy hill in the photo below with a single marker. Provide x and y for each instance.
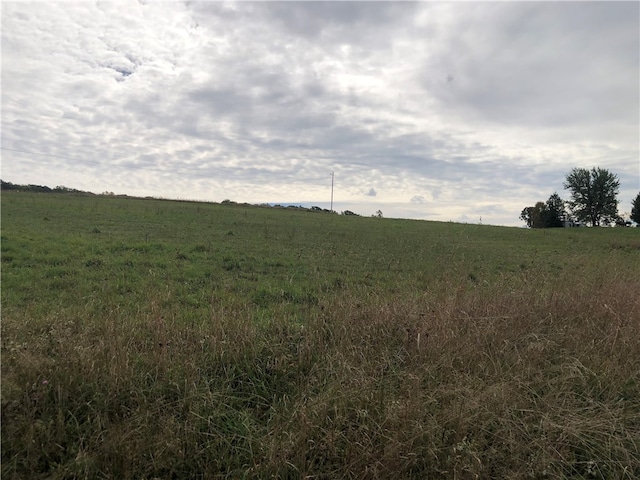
(145, 338)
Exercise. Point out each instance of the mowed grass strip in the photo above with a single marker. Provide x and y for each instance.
(160, 339)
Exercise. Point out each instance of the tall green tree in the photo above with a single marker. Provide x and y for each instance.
(545, 215)
(533, 216)
(635, 210)
(593, 194)
(554, 214)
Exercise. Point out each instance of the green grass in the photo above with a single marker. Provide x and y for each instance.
(158, 339)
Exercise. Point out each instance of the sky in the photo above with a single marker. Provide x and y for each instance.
(464, 112)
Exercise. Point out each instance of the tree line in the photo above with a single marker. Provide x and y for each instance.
(593, 201)
(40, 188)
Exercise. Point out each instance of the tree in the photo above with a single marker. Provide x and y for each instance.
(545, 215)
(532, 216)
(635, 211)
(593, 195)
(554, 213)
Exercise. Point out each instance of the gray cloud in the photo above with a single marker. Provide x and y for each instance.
(475, 109)
(540, 64)
(329, 22)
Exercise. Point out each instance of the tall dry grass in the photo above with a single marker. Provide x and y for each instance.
(534, 378)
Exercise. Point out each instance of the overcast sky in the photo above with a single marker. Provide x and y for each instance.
(436, 111)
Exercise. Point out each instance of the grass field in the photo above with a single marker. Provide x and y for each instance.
(150, 339)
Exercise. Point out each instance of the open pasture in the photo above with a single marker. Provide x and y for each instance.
(147, 338)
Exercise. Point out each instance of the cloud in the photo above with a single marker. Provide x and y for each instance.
(477, 109)
(539, 65)
(333, 23)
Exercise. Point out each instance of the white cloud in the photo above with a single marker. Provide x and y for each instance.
(477, 109)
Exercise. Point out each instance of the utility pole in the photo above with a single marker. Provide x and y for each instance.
(332, 175)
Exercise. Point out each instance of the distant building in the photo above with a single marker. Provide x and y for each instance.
(569, 222)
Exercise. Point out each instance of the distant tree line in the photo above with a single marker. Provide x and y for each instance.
(40, 188)
(594, 201)
(61, 189)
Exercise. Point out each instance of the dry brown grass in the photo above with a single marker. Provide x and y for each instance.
(458, 384)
